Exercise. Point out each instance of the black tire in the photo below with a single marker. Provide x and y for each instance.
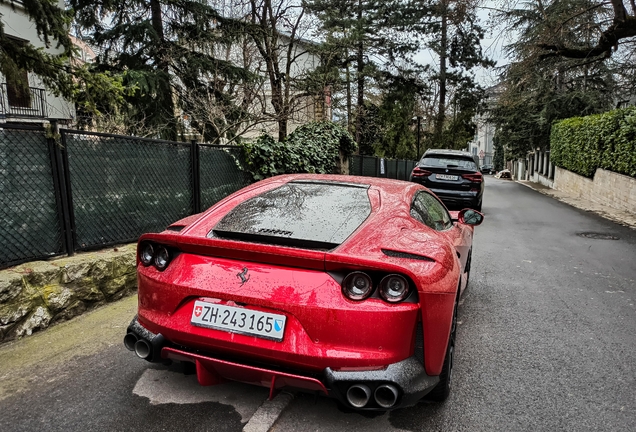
(442, 390)
(467, 269)
(477, 206)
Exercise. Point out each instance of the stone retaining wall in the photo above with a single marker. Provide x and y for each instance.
(608, 188)
(38, 294)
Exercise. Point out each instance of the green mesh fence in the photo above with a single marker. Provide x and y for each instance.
(391, 168)
(401, 170)
(354, 165)
(371, 166)
(31, 227)
(219, 173)
(124, 186)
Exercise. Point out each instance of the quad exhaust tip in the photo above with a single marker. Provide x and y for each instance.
(143, 349)
(386, 395)
(358, 395)
(129, 341)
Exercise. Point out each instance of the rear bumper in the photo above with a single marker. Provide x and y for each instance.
(407, 376)
(458, 197)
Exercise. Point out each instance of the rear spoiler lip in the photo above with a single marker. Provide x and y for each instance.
(276, 240)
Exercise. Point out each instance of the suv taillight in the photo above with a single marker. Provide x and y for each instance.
(475, 178)
(419, 172)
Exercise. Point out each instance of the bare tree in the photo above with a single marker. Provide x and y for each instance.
(276, 28)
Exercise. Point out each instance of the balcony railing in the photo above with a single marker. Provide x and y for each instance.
(22, 102)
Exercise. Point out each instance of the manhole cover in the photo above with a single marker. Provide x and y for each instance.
(598, 236)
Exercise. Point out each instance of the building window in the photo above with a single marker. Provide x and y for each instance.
(18, 94)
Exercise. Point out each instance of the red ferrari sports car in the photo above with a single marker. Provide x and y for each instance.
(341, 285)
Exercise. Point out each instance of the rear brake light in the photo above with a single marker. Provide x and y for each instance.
(394, 288)
(475, 178)
(156, 255)
(419, 172)
(357, 286)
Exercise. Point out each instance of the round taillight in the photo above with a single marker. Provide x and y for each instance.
(162, 258)
(146, 254)
(394, 288)
(357, 286)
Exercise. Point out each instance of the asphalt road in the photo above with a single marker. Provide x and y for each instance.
(546, 342)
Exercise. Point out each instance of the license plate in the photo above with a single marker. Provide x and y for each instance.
(238, 320)
(446, 177)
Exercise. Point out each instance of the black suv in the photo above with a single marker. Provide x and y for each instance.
(452, 175)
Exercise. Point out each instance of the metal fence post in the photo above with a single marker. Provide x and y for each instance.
(64, 183)
(196, 176)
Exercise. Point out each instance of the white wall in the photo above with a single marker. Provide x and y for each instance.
(18, 25)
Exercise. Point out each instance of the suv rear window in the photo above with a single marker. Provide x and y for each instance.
(305, 214)
(448, 162)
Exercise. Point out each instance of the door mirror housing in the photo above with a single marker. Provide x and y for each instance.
(470, 217)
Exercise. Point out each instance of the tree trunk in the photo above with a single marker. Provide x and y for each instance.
(349, 103)
(360, 77)
(165, 99)
(441, 111)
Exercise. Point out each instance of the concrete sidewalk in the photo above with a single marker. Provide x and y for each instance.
(621, 217)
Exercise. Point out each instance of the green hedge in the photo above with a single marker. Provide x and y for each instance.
(608, 141)
(312, 148)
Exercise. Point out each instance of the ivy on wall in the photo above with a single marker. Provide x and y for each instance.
(608, 141)
(312, 148)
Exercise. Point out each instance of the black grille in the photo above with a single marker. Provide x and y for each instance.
(396, 254)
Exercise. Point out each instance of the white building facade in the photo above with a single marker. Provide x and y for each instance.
(35, 104)
(482, 144)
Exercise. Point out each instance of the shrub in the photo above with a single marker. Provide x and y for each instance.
(608, 141)
(312, 148)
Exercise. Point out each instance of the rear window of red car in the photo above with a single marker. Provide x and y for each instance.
(305, 214)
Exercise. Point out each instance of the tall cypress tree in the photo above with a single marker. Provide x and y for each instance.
(454, 35)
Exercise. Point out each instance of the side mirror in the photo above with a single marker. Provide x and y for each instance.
(470, 217)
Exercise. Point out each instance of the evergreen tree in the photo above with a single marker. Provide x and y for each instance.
(538, 89)
(457, 46)
(498, 159)
(161, 48)
(359, 33)
(397, 111)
